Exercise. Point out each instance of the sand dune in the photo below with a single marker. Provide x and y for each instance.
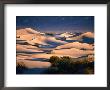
(88, 34)
(26, 31)
(66, 34)
(75, 45)
(27, 48)
(28, 37)
(73, 52)
(23, 57)
(33, 37)
(80, 37)
(44, 55)
(45, 40)
(34, 64)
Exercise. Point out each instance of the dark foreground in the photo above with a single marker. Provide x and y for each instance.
(63, 65)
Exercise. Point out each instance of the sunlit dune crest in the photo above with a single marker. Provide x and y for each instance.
(74, 49)
(34, 64)
(66, 34)
(73, 52)
(26, 31)
(88, 34)
(23, 57)
(44, 55)
(80, 37)
(44, 40)
(36, 37)
(75, 45)
(27, 48)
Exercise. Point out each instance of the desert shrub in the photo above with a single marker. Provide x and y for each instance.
(69, 65)
(62, 64)
(65, 63)
(54, 60)
(66, 58)
(20, 67)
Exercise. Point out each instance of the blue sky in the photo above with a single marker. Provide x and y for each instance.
(57, 23)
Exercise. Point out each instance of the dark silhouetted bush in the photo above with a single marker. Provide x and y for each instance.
(54, 60)
(20, 67)
(68, 65)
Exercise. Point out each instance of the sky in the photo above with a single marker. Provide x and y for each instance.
(56, 23)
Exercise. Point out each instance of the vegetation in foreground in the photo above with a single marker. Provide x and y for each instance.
(64, 65)
(20, 67)
(68, 65)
